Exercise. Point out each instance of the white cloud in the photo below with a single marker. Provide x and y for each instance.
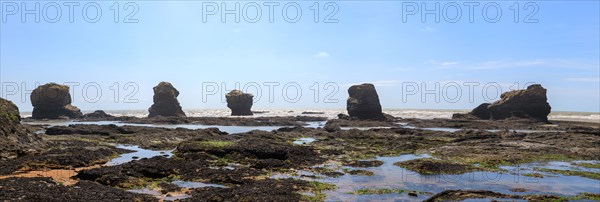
(428, 29)
(322, 54)
(448, 63)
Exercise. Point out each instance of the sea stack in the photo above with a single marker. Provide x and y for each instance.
(14, 138)
(239, 103)
(53, 101)
(530, 103)
(363, 103)
(165, 101)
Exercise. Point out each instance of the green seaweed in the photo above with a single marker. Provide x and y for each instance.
(385, 191)
(585, 174)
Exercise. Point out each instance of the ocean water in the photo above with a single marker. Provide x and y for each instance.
(332, 113)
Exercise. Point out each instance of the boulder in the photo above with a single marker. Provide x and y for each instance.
(98, 114)
(14, 138)
(239, 103)
(165, 101)
(363, 103)
(481, 111)
(53, 101)
(343, 116)
(530, 103)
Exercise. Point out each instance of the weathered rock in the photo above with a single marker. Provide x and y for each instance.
(530, 103)
(52, 101)
(332, 128)
(253, 190)
(9, 115)
(46, 189)
(98, 114)
(14, 138)
(239, 103)
(343, 116)
(83, 129)
(481, 111)
(313, 112)
(165, 101)
(363, 103)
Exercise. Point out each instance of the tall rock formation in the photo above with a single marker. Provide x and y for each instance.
(363, 103)
(240, 103)
(165, 101)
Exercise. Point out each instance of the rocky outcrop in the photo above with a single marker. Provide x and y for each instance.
(14, 138)
(98, 114)
(53, 101)
(239, 103)
(363, 103)
(482, 111)
(530, 103)
(165, 101)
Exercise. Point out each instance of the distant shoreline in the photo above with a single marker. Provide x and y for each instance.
(593, 117)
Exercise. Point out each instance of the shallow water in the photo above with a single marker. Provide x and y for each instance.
(228, 129)
(191, 185)
(394, 177)
(145, 153)
(555, 165)
(243, 129)
(157, 194)
(364, 128)
(315, 124)
(443, 129)
(304, 140)
(175, 195)
(529, 131)
(139, 153)
(451, 130)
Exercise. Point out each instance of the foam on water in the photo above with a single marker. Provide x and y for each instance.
(332, 113)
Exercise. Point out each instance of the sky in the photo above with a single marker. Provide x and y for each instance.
(295, 58)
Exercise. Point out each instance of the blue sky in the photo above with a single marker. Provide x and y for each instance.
(369, 43)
